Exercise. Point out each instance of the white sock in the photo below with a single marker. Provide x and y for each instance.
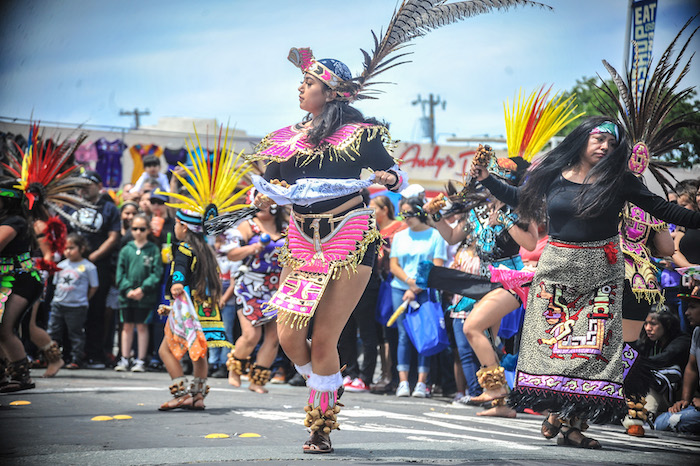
(304, 370)
(325, 383)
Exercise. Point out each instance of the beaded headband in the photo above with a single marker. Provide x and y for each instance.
(334, 73)
(607, 127)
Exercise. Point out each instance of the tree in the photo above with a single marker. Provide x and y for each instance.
(587, 98)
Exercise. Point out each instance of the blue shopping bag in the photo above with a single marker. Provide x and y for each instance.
(426, 328)
(385, 307)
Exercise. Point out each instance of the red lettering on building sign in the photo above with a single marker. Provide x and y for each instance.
(465, 157)
(411, 157)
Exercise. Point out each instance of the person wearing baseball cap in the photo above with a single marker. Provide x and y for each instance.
(100, 225)
(684, 415)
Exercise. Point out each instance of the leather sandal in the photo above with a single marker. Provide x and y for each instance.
(184, 402)
(549, 430)
(585, 442)
(318, 444)
(197, 402)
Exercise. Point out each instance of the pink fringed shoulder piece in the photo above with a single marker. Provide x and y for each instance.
(291, 141)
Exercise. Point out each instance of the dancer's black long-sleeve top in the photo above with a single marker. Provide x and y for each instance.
(565, 225)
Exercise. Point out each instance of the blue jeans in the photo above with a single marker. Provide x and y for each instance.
(688, 420)
(470, 363)
(218, 356)
(406, 349)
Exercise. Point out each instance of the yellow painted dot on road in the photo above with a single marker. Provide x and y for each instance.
(102, 418)
(249, 435)
(122, 416)
(20, 403)
(217, 436)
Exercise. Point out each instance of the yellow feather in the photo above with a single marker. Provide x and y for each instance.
(214, 183)
(531, 123)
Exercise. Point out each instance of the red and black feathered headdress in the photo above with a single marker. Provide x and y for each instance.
(44, 172)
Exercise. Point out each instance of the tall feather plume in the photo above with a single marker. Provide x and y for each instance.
(644, 112)
(212, 182)
(533, 120)
(45, 172)
(415, 18)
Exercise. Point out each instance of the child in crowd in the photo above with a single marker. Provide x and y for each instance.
(151, 166)
(139, 273)
(76, 282)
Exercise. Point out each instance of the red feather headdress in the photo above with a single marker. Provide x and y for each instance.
(44, 172)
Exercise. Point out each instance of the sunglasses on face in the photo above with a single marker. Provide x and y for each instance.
(405, 215)
(138, 228)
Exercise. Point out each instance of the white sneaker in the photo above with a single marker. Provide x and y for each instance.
(139, 366)
(462, 401)
(421, 391)
(347, 381)
(403, 390)
(122, 365)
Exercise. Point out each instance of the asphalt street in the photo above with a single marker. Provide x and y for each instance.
(58, 423)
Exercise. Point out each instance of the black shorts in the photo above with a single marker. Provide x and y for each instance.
(632, 309)
(28, 287)
(135, 316)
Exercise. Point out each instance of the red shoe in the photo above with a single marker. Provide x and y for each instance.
(357, 386)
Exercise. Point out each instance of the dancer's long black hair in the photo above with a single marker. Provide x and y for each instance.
(601, 185)
(335, 114)
(206, 271)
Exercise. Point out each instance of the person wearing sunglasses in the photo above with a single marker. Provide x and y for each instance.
(139, 275)
(419, 242)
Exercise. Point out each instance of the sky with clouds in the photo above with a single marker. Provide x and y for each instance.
(82, 61)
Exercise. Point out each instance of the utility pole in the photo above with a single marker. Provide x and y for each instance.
(136, 113)
(431, 118)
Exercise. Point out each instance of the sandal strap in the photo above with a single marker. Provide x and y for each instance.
(322, 444)
(551, 428)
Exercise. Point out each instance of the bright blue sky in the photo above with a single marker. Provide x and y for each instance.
(82, 61)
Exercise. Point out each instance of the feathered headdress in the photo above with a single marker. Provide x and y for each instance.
(533, 120)
(44, 174)
(644, 112)
(211, 185)
(414, 18)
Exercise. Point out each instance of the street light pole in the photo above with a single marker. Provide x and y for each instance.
(136, 113)
(431, 102)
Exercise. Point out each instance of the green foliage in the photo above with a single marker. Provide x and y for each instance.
(587, 97)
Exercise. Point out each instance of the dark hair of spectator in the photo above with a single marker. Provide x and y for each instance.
(672, 330)
(80, 242)
(385, 202)
(416, 206)
(688, 188)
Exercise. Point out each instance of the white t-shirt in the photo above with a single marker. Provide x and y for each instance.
(695, 346)
(73, 282)
(162, 181)
(412, 247)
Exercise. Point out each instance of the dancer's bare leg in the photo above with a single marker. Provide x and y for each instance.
(487, 313)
